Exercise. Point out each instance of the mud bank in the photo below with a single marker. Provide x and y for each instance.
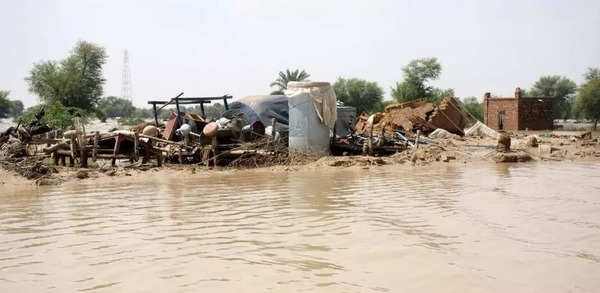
(16, 170)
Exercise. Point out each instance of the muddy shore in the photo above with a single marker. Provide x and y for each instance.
(462, 152)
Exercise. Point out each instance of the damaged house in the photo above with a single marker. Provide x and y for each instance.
(518, 113)
(415, 115)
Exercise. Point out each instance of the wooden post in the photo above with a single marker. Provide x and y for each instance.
(55, 157)
(83, 157)
(225, 103)
(63, 161)
(95, 149)
(159, 158)
(214, 147)
(273, 131)
(155, 114)
(202, 110)
(72, 146)
(136, 144)
(113, 162)
(179, 119)
(370, 144)
(417, 139)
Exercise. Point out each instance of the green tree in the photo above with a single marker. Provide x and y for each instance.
(9, 108)
(366, 96)
(473, 106)
(214, 111)
(75, 81)
(417, 74)
(592, 74)
(561, 89)
(116, 107)
(143, 113)
(287, 76)
(587, 102)
(16, 108)
(100, 115)
(4, 104)
(438, 94)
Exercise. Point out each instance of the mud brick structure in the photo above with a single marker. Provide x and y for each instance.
(415, 115)
(518, 113)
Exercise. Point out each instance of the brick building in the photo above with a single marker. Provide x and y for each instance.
(518, 113)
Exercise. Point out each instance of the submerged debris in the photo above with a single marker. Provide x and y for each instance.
(511, 157)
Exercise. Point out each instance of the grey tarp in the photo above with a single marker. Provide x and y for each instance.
(346, 119)
(268, 107)
(276, 106)
(241, 110)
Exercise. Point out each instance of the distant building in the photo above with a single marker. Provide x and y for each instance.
(518, 113)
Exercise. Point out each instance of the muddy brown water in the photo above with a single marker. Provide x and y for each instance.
(531, 227)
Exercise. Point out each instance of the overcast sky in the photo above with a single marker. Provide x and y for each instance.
(237, 47)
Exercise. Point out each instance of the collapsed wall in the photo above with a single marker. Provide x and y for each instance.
(448, 116)
(415, 115)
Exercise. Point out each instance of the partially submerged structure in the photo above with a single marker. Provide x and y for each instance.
(518, 112)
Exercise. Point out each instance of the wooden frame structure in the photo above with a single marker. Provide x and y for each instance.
(179, 100)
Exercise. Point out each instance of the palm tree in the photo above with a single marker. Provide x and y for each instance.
(287, 76)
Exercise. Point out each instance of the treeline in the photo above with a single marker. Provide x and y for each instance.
(73, 87)
(570, 101)
(367, 96)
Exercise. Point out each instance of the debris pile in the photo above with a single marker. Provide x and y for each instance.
(418, 115)
(254, 132)
(402, 126)
(13, 157)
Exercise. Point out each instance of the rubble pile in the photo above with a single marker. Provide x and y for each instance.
(13, 157)
(423, 155)
(415, 115)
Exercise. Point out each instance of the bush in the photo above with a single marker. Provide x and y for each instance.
(55, 115)
(473, 106)
(365, 96)
(116, 107)
(100, 115)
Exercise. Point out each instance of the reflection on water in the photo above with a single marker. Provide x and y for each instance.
(529, 227)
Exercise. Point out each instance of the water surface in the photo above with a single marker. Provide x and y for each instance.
(503, 228)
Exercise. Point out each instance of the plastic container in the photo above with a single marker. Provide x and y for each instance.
(307, 130)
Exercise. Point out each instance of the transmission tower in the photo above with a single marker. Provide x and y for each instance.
(126, 83)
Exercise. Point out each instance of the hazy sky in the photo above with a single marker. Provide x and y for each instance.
(237, 47)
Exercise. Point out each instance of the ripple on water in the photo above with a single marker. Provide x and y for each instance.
(385, 229)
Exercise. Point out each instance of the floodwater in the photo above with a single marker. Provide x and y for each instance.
(492, 227)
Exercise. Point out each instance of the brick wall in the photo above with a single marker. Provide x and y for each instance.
(535, 113)
(492, 107)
